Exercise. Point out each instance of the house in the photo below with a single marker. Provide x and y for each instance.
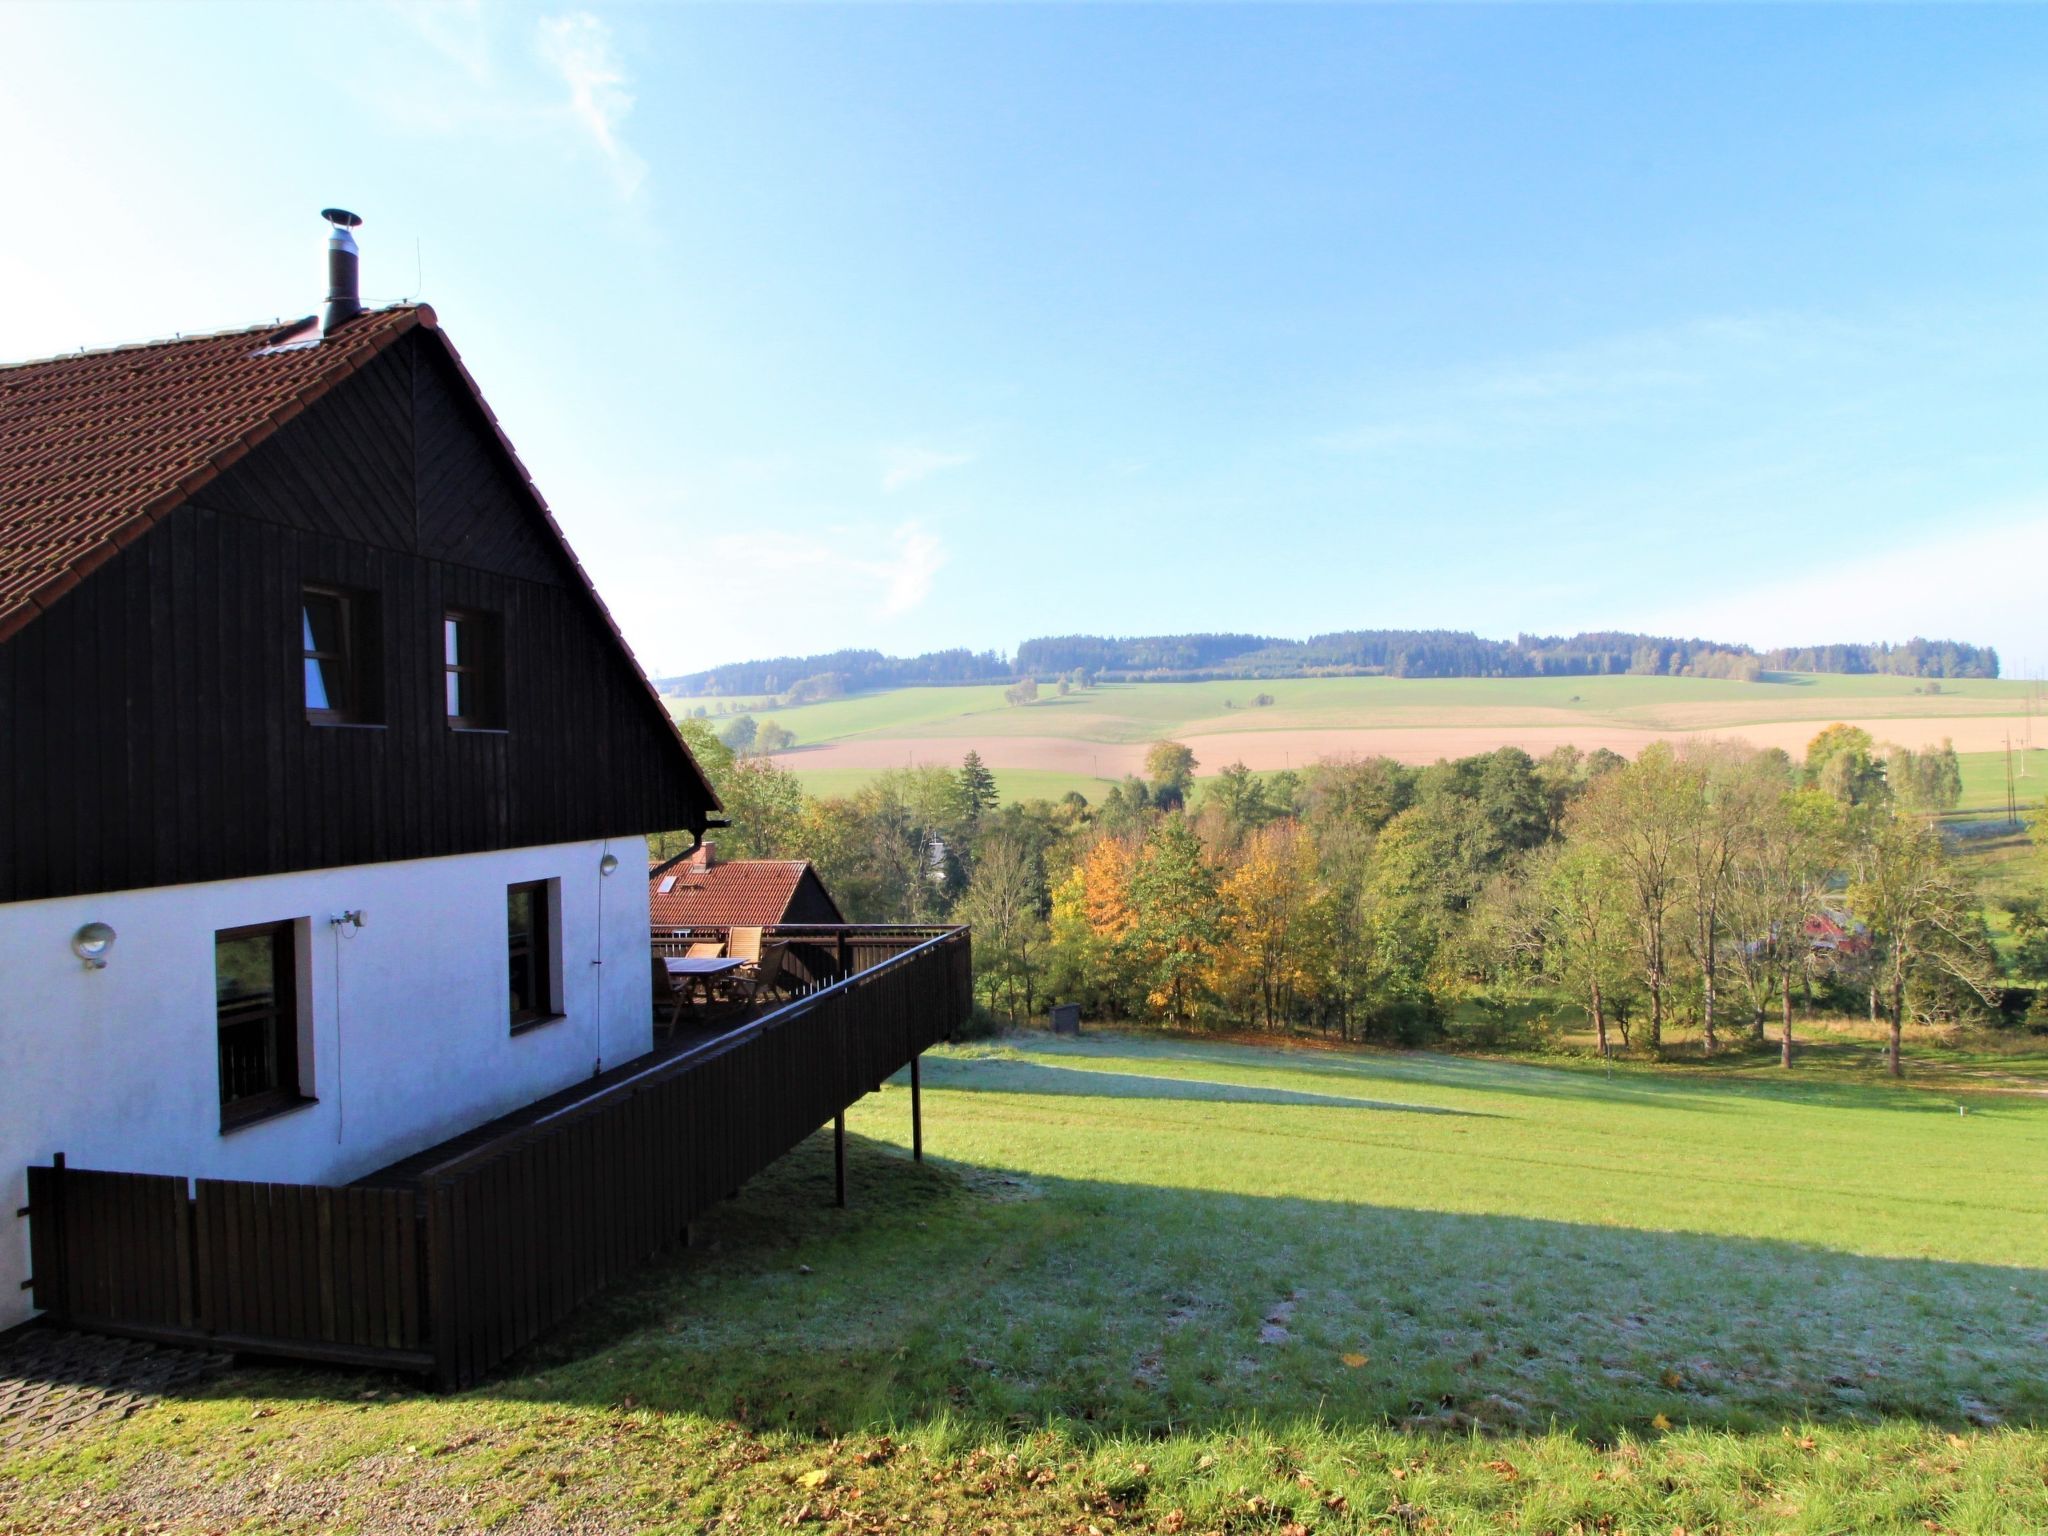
(317, 753)
(699, 891)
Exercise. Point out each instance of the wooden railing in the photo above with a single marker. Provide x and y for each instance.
(466, 1260)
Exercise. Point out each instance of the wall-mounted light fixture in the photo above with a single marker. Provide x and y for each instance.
(608, 865)
(91, 944)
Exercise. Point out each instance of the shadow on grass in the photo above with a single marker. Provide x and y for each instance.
(999, 1076)
(1680, 1082)
(992, 1302)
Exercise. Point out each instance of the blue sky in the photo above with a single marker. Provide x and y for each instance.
(919, 326)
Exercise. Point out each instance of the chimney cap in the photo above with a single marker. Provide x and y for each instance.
(341, 218)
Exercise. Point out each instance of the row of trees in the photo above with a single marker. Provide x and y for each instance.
(1715, 886)
(1392, 652)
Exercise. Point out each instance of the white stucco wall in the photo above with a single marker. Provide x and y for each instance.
(410, 1041)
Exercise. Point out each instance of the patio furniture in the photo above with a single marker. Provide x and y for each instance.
(743, 943)
(697, 978)
(667, 995)
(752, 982)
(709, 950)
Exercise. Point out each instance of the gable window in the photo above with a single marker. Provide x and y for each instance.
(256, 998)
(338, 635)
(472, 657)
(530, 951)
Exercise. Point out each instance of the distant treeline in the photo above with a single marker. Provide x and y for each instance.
(837, 672)
(1351, 653)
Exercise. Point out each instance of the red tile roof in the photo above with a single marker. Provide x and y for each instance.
(753, 893)
(97, 447)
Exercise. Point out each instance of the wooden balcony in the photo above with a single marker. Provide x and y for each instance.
(451, 1260)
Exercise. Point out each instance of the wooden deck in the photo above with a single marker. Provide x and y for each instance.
(450, 1261)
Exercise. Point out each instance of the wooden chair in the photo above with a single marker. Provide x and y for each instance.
(743, 943)
(666, 995)
(762, 977)
(709, 950)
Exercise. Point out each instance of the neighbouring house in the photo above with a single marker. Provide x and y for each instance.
(699, 890)
(1834, 932)
(317, 750)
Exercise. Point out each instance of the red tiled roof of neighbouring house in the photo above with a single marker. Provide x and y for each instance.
(750, 893)
(95, 447)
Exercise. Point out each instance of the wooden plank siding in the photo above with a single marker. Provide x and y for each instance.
(152, 723)
(454, 1264)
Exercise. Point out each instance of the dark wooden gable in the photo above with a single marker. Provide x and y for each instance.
(810, 902)
(152, 722)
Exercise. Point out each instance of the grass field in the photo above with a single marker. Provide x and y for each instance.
(1100, 734)
(1172, 1285)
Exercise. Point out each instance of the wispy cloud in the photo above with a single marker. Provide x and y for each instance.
(562, 82)
(580, 49)
(906, 465)
(455, 29)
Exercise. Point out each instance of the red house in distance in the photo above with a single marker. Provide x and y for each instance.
(698, 891)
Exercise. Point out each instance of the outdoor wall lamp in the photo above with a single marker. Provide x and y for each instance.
(91, 944)
(608, 865)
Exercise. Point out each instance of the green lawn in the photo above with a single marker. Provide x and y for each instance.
(1177, 1285)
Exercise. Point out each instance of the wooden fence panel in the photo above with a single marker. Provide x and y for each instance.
(110, 1248)
(307, 1265)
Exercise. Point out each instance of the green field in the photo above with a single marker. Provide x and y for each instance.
(1166, 1285)
(1143, 712)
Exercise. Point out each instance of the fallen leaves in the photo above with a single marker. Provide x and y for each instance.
(1355, 1360)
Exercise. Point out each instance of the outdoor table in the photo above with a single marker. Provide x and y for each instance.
(700, 971)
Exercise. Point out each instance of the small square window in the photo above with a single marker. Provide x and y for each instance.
(338, 636)
(530, 951)
(472, 658)
(256, 1009)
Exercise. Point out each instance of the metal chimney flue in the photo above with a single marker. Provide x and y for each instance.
(344, 288)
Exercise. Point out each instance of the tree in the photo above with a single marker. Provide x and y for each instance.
(1022, 691)
(1004, 904)
(765, 804)
(1780, 878)
(1839, 761)
(1928, 781)
(1637, 818)
(1092, 923)
(1269, 960)
(977, 787)
(1580, 902)
(1173, 900)
(1725, 792)
(739, 735)
(1921, 914)
(1239, 796)
(773, 738)
(1171, 769)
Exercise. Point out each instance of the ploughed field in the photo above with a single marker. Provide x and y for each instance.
(1086, 738)
(1168, 1285)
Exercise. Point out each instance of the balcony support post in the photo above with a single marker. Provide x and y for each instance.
(839, 1159)
(916, 1113)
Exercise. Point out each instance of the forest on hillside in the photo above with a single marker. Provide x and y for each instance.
(1434, 653)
